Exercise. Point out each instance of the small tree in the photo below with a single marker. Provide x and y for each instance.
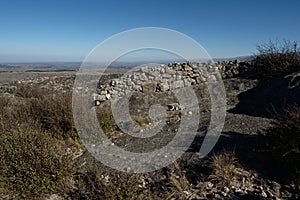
(276, 59)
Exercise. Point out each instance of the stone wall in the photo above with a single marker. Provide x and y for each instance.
(169, 77)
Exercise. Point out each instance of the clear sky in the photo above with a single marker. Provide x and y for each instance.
(67, 30)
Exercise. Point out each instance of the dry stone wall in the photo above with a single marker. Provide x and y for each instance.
(169, 77)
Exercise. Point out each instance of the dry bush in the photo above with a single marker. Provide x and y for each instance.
(106, 120)
(178, 178)
(36, 128)
(115, 185)
(276, 59)
(282, 143)
(54, 113)
(27, 91)
(33, 163)
(181, 187)
(35, 107)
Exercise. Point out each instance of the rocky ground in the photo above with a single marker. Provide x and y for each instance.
(192, 177)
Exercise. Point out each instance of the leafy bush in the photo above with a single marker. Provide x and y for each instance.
(276, 59)
(32, 162)
(282, 143)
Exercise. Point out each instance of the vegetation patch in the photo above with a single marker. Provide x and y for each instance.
(282, 143)
(276, 59)
(32, 162)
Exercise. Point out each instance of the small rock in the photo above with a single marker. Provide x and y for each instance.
(218, 196)
(113, 82)
(174, 106)
(149, 88)
(55, 197)
(164, 87)
(264, 194)
(226, 189)
(209, 185)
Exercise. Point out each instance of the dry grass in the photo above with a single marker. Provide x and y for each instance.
(106, 120)
(33, 163)
(224, 168)
(141, 121)
(35, 107)
(113, 185)
(178, 178)
(36, 129)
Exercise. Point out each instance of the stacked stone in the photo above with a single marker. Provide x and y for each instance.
(169, 77)
(231, 69)
(149, 80)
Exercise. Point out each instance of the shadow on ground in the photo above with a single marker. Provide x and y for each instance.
(269, 97)
(249, 152)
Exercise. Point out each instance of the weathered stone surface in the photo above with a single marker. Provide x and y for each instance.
(149, 88)
(172, 76)
(163, 87)
(102, 97)
(99, 97)
(176, 84)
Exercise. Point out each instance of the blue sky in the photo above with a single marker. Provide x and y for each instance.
(67, 30)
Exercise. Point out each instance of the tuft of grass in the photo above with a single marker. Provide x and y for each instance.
(178, 182)
(32, 163)
(117, 185)
(141, 121)
(224, 168)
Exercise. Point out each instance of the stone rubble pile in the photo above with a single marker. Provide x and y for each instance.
(7, 89)
(60, 84)
(168, 77)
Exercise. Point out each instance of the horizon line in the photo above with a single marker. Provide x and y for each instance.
(138, 61)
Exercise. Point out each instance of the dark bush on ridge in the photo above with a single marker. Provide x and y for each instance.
(276, 59)
(282, 143)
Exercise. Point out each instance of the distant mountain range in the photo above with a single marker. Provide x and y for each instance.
(74, 66)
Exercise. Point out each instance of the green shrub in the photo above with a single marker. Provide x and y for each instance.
(276, 59)
(32, 163)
